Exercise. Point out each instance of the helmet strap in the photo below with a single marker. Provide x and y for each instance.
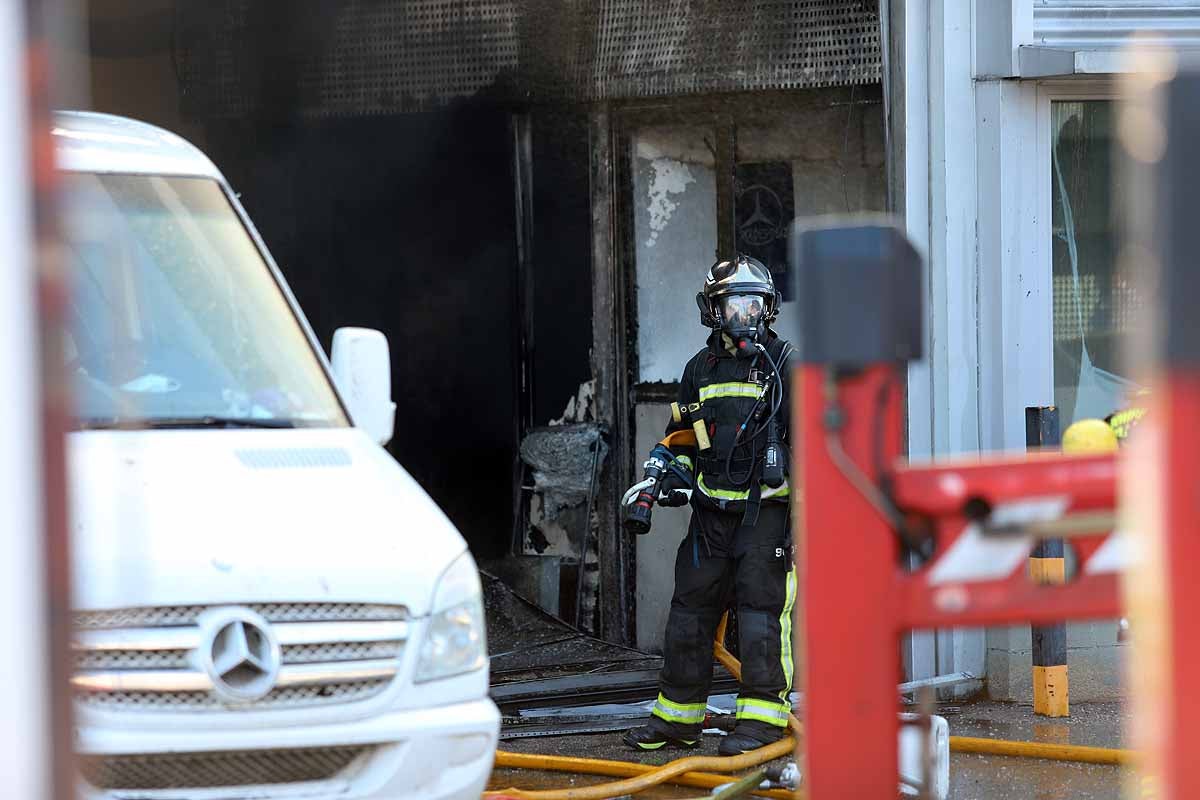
(708, 317)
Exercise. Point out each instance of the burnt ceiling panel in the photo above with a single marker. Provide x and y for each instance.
(314, 57)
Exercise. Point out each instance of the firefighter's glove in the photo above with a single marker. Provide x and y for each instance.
(674, 498)
(678, 477)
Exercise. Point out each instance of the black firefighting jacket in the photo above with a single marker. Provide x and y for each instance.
(728, 389)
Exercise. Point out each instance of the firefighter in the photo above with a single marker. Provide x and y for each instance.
(738, 546)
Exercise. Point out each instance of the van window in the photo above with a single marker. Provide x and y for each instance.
(174, 318)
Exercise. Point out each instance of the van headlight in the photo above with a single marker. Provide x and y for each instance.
(454, 641)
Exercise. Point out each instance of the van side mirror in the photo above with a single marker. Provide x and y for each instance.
(362, 368)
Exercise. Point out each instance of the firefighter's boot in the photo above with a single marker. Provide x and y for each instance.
(654, 735)
(747, 736)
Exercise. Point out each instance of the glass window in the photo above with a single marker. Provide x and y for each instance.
(1093, 301)
(174, 317)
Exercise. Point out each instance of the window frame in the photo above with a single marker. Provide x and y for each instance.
(1042, 302)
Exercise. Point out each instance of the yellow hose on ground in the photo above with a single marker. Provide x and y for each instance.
(616, 769)
(692, 770)
(681, 766)
(1053, 752)
(658, 775)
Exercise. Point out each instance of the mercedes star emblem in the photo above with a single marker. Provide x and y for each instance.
(239, 653)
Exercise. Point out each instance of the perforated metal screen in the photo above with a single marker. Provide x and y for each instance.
(350, 57)
(388, 56)
(665, 47)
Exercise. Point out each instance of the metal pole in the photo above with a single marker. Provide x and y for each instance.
(1047, 565)
(853, 665)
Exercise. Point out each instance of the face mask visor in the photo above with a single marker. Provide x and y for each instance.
(741, 313)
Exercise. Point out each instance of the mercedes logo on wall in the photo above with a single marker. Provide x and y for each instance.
(760, 216)
(239, 653)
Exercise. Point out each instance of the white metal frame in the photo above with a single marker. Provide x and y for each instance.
(940, 212)
(977, 205)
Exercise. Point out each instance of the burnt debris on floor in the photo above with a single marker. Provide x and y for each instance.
(528, 643)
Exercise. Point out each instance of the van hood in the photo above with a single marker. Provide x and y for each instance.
(189, 517)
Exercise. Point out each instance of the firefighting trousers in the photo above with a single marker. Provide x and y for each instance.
(720, 564)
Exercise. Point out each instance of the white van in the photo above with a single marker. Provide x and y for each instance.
(267, 605)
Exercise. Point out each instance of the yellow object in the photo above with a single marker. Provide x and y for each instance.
(618, 769)
(1123, 422)
(1051, 696)
(1054, 752)
(678, 413)
(1047, 570)
(1089, 436)
(679, 439)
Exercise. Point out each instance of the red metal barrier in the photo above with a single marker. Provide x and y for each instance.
(859, 594)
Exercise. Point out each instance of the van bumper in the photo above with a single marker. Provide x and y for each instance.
(440, 753)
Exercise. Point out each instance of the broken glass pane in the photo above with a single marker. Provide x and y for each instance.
(1094, 301)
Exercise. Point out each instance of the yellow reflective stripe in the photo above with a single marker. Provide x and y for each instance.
(1122, 421)
(763, 711)
(731, 494)
(685, 460)
(720, 494)
(762, 717)
(779, 723)
(684, 713)
(737, 389)
(785, 635)
(782, 491)
(671, 704)
(770, 706)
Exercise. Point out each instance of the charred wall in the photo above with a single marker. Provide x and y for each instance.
(405, 223)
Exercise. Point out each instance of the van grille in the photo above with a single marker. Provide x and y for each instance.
(213, 770)
(166, 616)
(292, 654)
(154, 659)
(291, 697)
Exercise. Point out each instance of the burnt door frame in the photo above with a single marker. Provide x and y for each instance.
(615, 327)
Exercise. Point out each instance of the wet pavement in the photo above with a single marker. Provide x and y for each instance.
(978, 777)
(972, 777)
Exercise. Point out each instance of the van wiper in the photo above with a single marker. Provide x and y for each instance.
(168, 423)
(209, 421)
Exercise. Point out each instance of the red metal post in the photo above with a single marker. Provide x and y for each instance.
(848, 564)
(1181, 555)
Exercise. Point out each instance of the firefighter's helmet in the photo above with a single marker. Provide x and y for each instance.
(739, 297)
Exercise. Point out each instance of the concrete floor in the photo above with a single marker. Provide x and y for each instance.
(972, 777)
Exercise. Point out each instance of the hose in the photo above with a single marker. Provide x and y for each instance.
(616, 769)
(739, 788)
(696, 770)
(1053, 752)
(658, 775)
(668, 772)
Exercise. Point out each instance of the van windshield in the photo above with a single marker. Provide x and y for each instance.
(174, 319)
